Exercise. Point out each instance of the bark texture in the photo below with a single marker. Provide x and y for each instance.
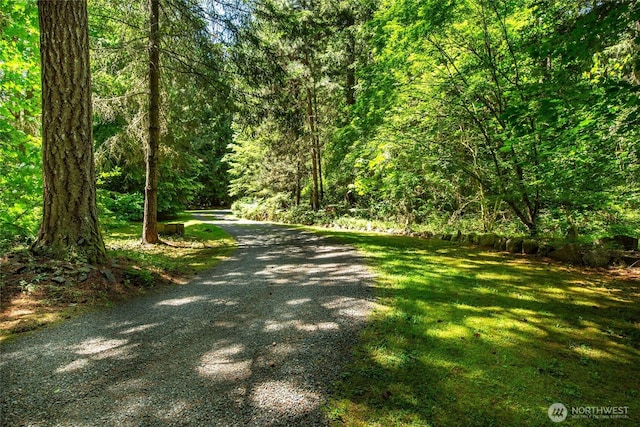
(69, 228)
(150, 222)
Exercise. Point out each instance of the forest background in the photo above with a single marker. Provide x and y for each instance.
(510, 116)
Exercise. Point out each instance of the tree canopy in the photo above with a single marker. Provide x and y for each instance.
(482, 115)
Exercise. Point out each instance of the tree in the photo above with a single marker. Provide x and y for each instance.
(195, 108)
(150, 222)
(20, 146)
(526, 109)
(70, 221)
(297, 60)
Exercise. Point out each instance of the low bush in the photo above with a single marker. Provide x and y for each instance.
(119, 208)
(553, 227)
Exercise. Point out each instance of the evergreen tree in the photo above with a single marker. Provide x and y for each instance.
(70, 221)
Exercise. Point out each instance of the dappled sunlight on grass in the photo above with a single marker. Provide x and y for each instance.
(193, 252)
(470, 337)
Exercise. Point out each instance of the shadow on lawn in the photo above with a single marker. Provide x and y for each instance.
(479, 338)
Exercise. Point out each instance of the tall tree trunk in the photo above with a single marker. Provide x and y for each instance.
(70, 220)
(316, 139)
(315, 194)
(311, 119)
(318, 151)
(298, 182)
(150, 222)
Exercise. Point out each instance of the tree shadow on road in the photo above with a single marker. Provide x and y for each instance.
(257, 341)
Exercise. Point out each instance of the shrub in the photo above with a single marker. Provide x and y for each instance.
(117, 207)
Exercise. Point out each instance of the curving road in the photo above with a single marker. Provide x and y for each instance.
(258, 340)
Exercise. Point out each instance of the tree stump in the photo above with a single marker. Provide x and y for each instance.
(170, 229)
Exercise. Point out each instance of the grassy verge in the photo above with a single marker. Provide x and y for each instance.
(471, 338)
(202, 246)
(39, 292)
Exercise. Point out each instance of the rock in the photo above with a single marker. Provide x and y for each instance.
(530, 246)
(624, 259)
(567, 253)
(514, 245)
(488, 239)
(174, 229)
(469, 238)
(108, 274)
(20, 269)
(544, 250)
(628, 243)
(59, 279)
(82, 277)
(597, 258)
(168, 229)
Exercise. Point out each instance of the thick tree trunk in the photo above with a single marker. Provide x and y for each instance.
(150, 222)
(69, 227)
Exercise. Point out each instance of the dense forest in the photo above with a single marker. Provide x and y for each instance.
(516, 116)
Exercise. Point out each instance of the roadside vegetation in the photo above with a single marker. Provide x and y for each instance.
(464, 337)
(38, 292)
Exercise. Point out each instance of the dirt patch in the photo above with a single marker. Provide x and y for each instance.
(36, 292)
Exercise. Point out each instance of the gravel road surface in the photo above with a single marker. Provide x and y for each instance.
(257, 341)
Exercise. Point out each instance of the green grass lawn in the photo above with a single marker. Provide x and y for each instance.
(202, 246)
(465, 337)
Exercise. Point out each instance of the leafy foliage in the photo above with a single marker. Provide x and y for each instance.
(474, 107)
(20, 156)
(470, 114)
(119, 208)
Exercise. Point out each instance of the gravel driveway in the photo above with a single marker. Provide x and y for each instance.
(258, 341)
